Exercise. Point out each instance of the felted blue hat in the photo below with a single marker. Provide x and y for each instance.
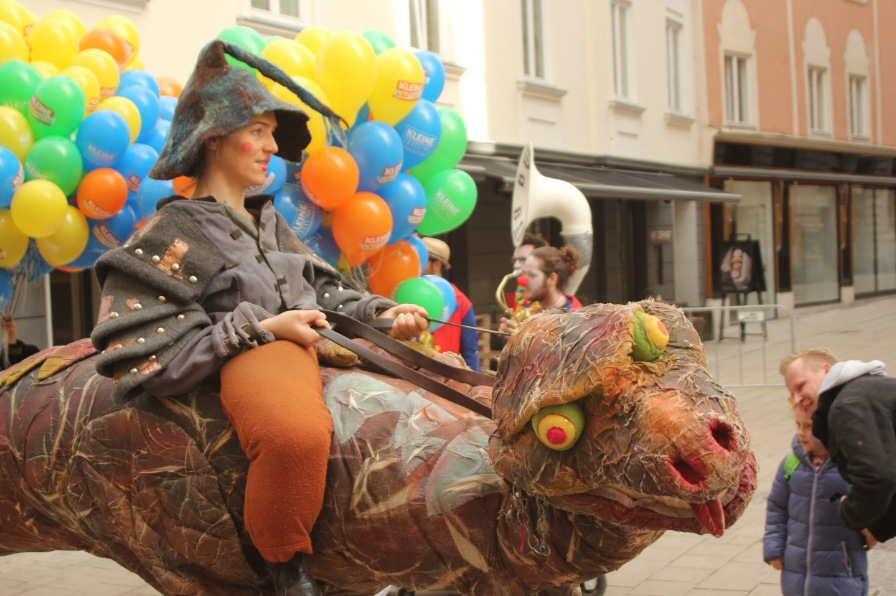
(219, 98)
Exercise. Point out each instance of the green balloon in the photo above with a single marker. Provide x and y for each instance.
(421, 292)
(56, 108)
(450, 150)
(450, 199)
(379, 40)
(248, 39)
(55, 159)
(18, 81)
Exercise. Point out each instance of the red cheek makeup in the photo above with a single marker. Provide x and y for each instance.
(247, 147)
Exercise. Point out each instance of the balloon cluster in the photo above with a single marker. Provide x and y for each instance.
(81, 124)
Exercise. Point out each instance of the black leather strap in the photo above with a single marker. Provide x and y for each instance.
(403, 372)
(393, 346)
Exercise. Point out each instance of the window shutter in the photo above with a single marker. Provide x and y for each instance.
(289, 8)
(261, 4)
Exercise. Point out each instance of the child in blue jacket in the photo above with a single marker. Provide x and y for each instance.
(803, 534)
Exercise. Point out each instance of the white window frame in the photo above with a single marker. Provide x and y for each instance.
(532, 34)
(273, 17)
(815, 95)
(419, 13)
(673, 66)
(620, 35)
(858, 93)
(737, 89)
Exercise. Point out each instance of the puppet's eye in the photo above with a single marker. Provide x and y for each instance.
(651, 338)
(559, 427)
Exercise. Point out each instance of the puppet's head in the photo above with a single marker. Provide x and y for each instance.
(610, 411)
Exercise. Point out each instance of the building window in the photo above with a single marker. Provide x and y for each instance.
(673, 65)
(533, 38)
(737, 89)
(286, 8)
(816, 98)
(424, 17)
(857, 106)
(619, 14)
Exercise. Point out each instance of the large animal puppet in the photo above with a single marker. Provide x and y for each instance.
(601, 440)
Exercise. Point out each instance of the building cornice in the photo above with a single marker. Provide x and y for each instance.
(798, 142)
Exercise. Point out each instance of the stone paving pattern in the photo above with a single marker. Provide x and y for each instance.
(677, 564)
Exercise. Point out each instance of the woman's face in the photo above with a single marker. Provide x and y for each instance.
(243, 155)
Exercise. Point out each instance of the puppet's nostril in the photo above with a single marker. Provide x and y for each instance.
(724, 436)
(687, 472)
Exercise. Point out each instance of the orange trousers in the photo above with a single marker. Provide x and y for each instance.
(273, 398)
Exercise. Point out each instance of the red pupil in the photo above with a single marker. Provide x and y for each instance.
(556, 436)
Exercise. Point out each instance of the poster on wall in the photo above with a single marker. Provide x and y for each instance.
(741, 267)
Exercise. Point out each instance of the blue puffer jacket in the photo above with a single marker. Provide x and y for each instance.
(821, 557)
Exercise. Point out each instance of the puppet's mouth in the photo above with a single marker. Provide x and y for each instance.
(627, 507)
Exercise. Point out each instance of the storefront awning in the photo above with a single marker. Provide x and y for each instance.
(599, 182)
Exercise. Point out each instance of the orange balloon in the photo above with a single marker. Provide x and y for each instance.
(330, 177)
(391, 266)
(184, 186)
(169, 86)
(109, 41)
(102, 193)
(362, 226)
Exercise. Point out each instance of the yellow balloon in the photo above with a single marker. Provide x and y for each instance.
(15, 14)
(12, 44)
(126, 108)
(38, 208)
(136, 64)
(68, 242)
(53, 41)
(88, 83)
(104, 68)
(45, 69)
(295, 59)
(316, 123)
(399, 85)
(345, 67)
(124, 27)
(13, 243)
(72, 19)
(15, 132)
(312, 37)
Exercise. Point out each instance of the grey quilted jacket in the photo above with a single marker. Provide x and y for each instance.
(190, 288)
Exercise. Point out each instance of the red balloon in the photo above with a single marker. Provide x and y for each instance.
(330, 177)
(102, 193)
(362, 226)
(109, 41)
(391, 266)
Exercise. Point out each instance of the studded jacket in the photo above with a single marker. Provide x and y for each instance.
(191, 287)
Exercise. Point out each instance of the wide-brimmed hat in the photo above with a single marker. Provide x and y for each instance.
(219, 98)
(438, 250)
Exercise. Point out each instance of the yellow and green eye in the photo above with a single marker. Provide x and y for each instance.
(651, 338)
(559, 427)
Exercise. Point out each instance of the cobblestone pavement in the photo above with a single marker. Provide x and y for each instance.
(677, 564)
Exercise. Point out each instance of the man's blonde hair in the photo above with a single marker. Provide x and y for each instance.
(814, 357)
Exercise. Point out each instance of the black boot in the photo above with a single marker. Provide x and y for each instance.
(293, 578)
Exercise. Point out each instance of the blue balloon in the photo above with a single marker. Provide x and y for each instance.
(135, 164)
(5, 287)
(377, 150)
(433, 75)
(303, 216)
(130, 78)
(157, 136)
(363, 116)
(421, 249)
(11, 176)
(275, 180)
(167, 104)
(93, 251)
(407, 202)
(420, 132)
(102, 139)
(151, 192)
(294, 172)
(147, 104)
(448, 295)
(105, 235)
(324, 245)
(33, 264)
